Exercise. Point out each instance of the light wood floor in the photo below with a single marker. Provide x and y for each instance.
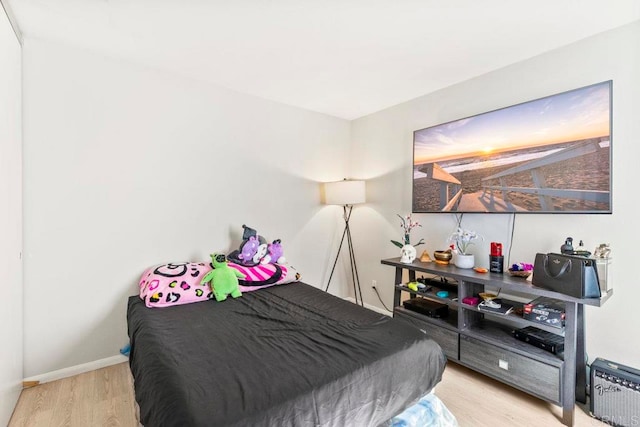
(105, 398)
(479, 401)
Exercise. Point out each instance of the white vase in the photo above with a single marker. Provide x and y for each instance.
(464, 261)
(408, 254)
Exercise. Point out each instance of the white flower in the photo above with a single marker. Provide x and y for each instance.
(463, 239)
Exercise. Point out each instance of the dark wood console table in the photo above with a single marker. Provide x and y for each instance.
(483, 341)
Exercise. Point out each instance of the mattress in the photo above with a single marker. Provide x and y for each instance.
(289, 355)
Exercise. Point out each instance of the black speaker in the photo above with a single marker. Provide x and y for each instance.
(615, 393)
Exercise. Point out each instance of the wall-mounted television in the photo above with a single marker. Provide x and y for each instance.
(549, 155)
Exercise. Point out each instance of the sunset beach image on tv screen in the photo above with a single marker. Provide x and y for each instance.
(548, 155)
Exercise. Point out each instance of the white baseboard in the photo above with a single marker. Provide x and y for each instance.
(77, 369)
(370, 307)
(113, 360)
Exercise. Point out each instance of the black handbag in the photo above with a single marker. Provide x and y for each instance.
(570, 275)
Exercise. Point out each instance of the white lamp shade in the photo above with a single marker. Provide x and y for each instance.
(344, 192)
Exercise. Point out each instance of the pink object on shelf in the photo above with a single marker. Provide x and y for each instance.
(471, 300)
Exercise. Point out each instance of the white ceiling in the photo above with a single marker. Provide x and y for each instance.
(345, 58)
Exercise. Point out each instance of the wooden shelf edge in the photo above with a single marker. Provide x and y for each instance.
(506, 282)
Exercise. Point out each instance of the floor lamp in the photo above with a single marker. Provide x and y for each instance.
(346, 193)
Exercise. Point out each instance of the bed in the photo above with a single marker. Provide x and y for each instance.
(289, 355)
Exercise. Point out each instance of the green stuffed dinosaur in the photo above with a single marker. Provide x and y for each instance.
(224, 279)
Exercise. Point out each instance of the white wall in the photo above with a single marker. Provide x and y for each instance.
(382, 153)
(10, 220)
(127, 167)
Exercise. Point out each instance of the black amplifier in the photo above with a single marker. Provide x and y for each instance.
(427, 307)
(615, 393)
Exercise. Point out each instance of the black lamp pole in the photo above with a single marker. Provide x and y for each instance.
(352, 258)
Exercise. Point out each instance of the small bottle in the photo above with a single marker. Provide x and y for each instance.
(582, 251)
(567, 248)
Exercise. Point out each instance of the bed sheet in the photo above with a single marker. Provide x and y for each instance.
(290, 355)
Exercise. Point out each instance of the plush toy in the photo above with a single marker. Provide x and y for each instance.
(260, 254)
(224, 279)
(275, 255)
(252, 249)
(249, 249)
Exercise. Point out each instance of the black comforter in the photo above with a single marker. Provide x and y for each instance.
(288, 355)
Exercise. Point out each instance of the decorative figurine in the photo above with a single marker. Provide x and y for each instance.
(425, 257)
(602, 251)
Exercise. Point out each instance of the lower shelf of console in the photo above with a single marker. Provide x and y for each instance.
(443, 331)
(489, 348)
